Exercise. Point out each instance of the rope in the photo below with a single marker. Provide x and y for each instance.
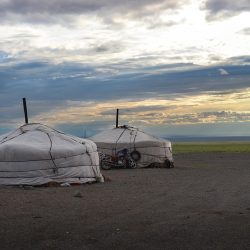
(119, 138)
(137, 147)
(3, 140)
(63, 157)
(135, 138)
(58, 177)
(32, 170)
(55, 170)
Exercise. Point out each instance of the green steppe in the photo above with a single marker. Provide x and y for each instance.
(201, 147)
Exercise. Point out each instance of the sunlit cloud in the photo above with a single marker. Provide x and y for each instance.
(154, 111)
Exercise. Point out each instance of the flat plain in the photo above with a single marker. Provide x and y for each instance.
(202, 203)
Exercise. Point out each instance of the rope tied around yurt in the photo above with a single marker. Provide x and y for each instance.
(55, 158)
(119, 137)
(135, 138)
(55, 169)
(4, 139)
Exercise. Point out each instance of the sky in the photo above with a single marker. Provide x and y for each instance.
(174, 67)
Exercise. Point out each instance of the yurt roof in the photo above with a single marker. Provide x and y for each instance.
(32, 141)
(125, 134)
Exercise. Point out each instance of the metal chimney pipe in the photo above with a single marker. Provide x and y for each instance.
(117, 118)
(25, 111)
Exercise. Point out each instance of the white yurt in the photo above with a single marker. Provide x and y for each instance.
(146, 150)
(35, 154)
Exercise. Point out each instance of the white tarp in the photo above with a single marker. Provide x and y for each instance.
(35, 154)
(152, 149)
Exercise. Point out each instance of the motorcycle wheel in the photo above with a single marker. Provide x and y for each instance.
(135, 155)
(131, 163)
(105, 165)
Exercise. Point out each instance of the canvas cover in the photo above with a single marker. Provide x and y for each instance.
(35, 154)
(152, 149)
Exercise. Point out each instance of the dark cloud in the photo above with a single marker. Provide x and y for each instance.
(135, 110)
(44, 11)
(236, 60)
(108, 47)
(73, 81)
(217, 9)
(213, 58)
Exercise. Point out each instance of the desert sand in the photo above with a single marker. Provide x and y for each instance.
(203, 203)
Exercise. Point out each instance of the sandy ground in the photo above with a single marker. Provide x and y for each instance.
(203, 203)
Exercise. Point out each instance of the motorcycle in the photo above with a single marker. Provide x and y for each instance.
(121, 159)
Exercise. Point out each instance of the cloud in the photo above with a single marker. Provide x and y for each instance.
(201, 129)
(150, 111)
(156, 23)
(41, 80)
(209, 117)
(76, 93)
(107, 47)
(45, 11)
(223, 72)
(239, 60)
(69, 56)
(219, 9)
(73, 116)
(245, 31)
(3, 56)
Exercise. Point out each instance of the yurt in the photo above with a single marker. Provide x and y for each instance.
(35, 154)
(144, 149)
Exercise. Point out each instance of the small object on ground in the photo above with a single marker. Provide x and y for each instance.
(78, 194)
(53, 184)
(28, 187)
(106, 178)
(65, 184)
(99, 179)
(37, 217)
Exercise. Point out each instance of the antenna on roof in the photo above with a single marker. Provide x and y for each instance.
(117, 118)
(25, 111)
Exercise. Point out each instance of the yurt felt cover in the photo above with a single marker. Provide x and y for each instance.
(35, 154)
(151, 149)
